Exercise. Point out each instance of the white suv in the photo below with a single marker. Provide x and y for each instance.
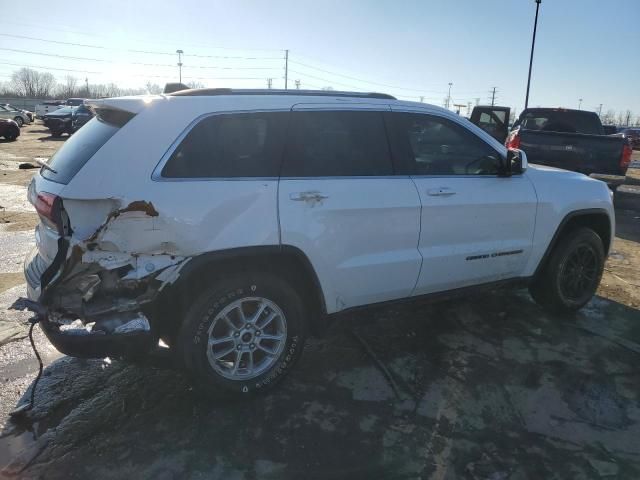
(230, 223)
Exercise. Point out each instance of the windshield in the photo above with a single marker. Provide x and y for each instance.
(80, 147)
(63, 110)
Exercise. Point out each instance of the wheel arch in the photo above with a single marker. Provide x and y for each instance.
(288, 261)
(597, 219)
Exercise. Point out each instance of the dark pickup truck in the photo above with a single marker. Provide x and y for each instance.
(569, 139)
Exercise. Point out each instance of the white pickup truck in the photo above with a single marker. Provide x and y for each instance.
(233, 230)
(48, 106)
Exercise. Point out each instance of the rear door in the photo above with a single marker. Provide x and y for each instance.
(476, 227)
(493, 120)
(340, 203)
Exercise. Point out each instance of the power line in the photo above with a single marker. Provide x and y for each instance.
(331, 72)
(155, 41)
(85, 45)
(48, 68)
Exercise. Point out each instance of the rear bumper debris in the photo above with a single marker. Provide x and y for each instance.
(97, 344)
(93, 300)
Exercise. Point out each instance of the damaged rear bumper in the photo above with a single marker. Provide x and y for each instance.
(97, 297)
(98, 345)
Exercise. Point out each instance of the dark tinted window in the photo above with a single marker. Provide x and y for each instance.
(338, 143)
(239, 145)
(562, 121)
(80, 147)
(431, 145)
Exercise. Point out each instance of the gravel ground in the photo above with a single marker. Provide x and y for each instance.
(488, 387)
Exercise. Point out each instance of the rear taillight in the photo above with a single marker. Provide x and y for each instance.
(513, 140)
(48, 207)
(625, 160)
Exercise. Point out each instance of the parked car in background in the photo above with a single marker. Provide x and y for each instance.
(60, 121)
(255, 214)
(572, 140)
(633, 134)
(26, 112)
(81, 115)
(48, 106)
(9, 129)
(610, 129)
(18, 116)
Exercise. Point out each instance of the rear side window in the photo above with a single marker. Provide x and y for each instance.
(230, 145)
(82, 145)
(337, 143)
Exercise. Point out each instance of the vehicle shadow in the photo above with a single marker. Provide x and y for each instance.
(396, 391)
(51, 138)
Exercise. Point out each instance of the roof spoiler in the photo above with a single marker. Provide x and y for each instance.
(174, 87)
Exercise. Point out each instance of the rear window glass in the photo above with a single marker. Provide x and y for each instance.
(80, 147)
(337, 143)
(562, 121)
(230, 145)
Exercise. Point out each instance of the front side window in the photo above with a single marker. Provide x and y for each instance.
(432, 145)
(337, 143)
(233, 145)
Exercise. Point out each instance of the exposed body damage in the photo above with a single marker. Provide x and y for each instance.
(103, 284)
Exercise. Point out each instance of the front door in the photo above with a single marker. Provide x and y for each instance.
(340, 203)
(476, 227)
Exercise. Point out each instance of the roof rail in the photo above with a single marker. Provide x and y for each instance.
(204, 92)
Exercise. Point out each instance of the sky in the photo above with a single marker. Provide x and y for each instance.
(585, 49)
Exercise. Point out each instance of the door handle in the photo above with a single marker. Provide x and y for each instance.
(440, 192)
(313, 196)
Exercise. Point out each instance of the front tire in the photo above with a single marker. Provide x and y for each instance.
(19, 121)
(572, 274)
(243, 334)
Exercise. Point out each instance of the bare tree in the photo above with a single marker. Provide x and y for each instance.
(153, 88)
(31, 83)
(609, 118)
(69, 88)
(194, 84)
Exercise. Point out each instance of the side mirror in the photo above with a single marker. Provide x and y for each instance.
(516, 162)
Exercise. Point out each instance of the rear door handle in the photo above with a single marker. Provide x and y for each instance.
(313, 196)
(440, 192)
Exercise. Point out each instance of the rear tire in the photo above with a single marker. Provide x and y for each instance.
(572, 274)
(19, 121)
(258, 319)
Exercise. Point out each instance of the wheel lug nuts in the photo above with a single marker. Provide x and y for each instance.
(252, 346)
(239, 347)
(237, 334)
(258, 333)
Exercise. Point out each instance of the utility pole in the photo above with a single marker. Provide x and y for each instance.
(269, 83)
(468, 109)
(533, 44)
(477, 102)
(421, 99)
(86, 82)
(180, 52)
(600, 110)
(628, 118)
(449, 95)
(297, 84)
(286, 68)
(579, 103)
(493, 96)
